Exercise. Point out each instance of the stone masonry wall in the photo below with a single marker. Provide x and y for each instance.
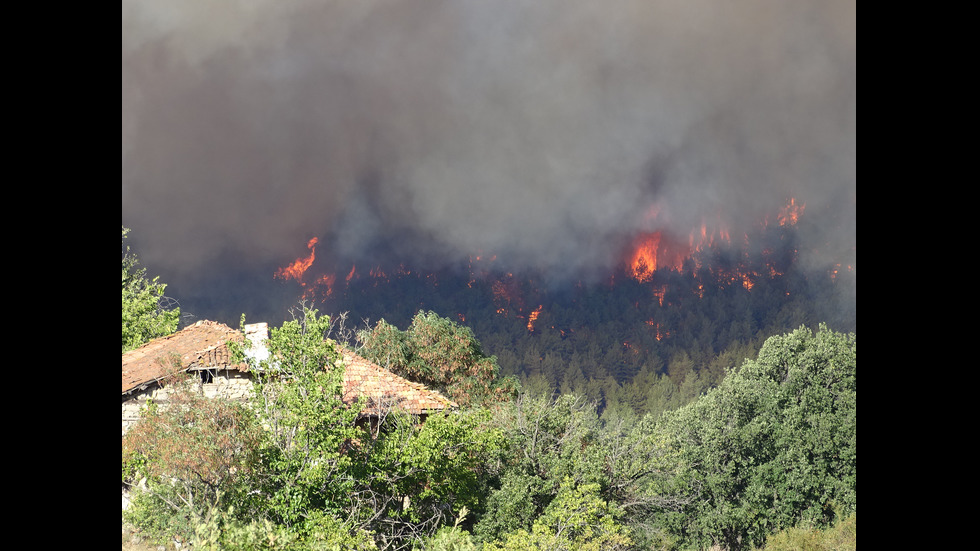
(227, 384)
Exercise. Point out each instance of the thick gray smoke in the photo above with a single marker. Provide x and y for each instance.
(541, 131)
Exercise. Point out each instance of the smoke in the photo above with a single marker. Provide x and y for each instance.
(544, 132)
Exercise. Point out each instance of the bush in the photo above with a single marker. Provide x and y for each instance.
(224, 531)
(840, 537)
(192, 456)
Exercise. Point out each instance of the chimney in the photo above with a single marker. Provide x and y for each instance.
(257, 334)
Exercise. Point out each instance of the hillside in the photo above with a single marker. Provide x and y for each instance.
(701, 316)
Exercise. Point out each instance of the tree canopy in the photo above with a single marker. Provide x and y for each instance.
(441, 354)
(144, 315)
(773, 446)
(770, 450)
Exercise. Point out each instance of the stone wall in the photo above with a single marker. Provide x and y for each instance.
(234, 385)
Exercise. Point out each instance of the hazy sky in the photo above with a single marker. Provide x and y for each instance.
(545, 132)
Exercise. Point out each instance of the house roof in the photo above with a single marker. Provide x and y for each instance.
(204, 345)
(384, 390)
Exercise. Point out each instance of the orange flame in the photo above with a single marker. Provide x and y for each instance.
(659, 335)
(322, 287)
(653, 251)
(507, 294)
(532, 317)
(790, 214)
(644, 260)
(300, 265)
(747, 282)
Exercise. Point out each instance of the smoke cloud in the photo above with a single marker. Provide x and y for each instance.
(544, 132)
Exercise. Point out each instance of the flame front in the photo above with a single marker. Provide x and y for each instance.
(322, 287)
(644, 260)
(654, 251)
(532, 317)
(300, 265)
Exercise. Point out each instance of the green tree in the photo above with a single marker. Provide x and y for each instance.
(638, 463)
(187, 459)
(414, 477)
(143, 315)
(772, 446)
(441, 354)
(578, 519)
(450, 538)
(298, 399)
(547, 441)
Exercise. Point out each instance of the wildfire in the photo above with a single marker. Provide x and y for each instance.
(747, 281)
(659, 335)
(653, 251)
(836, 270)
(506, 294)
(532, 317)
(300, 265)
(656, 250)
(790, 214)
(702, 238)
(322, 286)
(644, 260)
(478, 272)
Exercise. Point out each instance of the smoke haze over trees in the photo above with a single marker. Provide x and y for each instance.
(545, 133)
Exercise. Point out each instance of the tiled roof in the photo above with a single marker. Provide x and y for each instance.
(204, 345)
(200, 345)
(384, 390)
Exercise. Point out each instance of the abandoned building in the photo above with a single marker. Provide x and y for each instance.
(202, 349)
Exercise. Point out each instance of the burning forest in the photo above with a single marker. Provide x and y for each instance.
(648, 259)
(593, 186)
(611, 207)
(667, 293)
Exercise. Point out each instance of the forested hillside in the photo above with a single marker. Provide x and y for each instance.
(633, 344)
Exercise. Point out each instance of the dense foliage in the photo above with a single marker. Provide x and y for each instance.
(144, 316)
(772, 448)
(441, 354)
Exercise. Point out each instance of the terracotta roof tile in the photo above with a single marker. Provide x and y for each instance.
(200, 345)
(384, 389)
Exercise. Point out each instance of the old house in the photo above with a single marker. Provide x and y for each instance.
(202, 349)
